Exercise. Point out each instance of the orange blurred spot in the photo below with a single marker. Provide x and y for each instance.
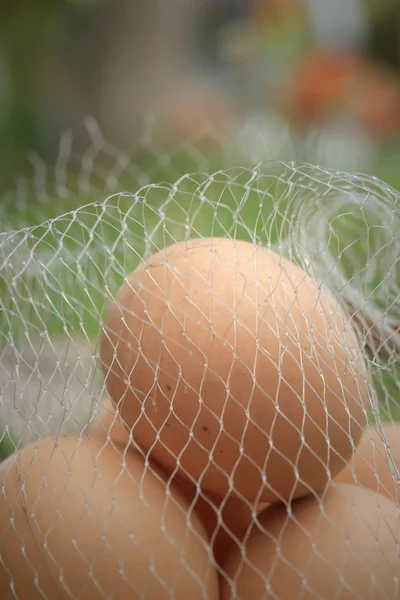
(322, 83)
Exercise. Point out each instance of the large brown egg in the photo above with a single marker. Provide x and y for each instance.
(232, 366)
(83, 519)
(376, 462)
(343, 545)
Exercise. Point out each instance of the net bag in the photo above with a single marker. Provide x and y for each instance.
(199, 380)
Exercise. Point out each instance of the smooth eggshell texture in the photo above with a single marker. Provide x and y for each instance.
(346, 552)
(80, 520)
(376, 462)
(229, 363)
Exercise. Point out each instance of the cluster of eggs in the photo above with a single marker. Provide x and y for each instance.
(233, 471)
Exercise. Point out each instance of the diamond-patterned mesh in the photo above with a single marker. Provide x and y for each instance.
(199, 377)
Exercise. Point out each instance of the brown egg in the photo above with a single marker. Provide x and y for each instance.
(231, 365)
(375, 461)
(342, 546)
(81, 519)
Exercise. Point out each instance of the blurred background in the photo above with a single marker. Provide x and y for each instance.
(325, 73)
(175, 87)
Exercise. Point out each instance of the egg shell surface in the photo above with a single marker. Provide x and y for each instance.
(376, 462)
(232, 365)
(343, 546)
(83, 519)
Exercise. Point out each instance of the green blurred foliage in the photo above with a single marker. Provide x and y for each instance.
(385, 31)
(30, 33)
(379, 9)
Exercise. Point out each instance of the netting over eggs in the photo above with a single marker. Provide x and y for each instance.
(199, 381)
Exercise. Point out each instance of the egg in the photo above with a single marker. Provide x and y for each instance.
(343, 545)
(376, 462)
(80, 518)
(232, 366)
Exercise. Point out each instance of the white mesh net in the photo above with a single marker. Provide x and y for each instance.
(199, 378)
